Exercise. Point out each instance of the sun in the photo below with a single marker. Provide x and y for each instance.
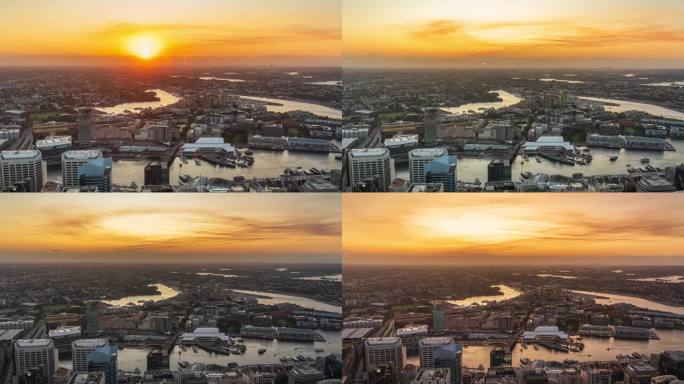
(145, 47)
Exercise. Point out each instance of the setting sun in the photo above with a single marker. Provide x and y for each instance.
(145, 46)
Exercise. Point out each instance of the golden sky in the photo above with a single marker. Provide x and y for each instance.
(513, 229)
(521, 33)
(171, 228)
(259, 32)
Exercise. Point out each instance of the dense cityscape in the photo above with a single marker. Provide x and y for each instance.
(215, 129)
(518, 130)
(465, 324)
(186, 323)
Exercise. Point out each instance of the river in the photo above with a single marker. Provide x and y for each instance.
(266, 164)
(165, 292)
(594, 349)
(132, 358)
(508, 99)
(291, 105)
(270, 298)
(165, 99)
(610, 299)
(507, 293)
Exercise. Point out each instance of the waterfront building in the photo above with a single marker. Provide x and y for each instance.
(96, 173)
(384, 352)
(80, 350)
(53, 144)
(596, 376)
(22, 170)
(399, 145)
(433, 376)
(548, 143)
(35, 357)
(639, 373)
(442, 171)
(157, 173)
(545, 332)
(419, 158)
(304, 375)
(426, 348)
(105, 359)
(62, 337)
(499, 357)
(672, 363)
(498, 170)
(87, 378)
(621, 332)
(71, 161)
(204, 334)
(450, 356)
(372, 164)
(211, 144)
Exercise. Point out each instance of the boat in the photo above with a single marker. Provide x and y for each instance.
(526, 174)
(183, 364)
(613, 158)
(194, 349)
(197, 161)
(538, 159)
(319, 350)
(184, 177)
(248, 152)
(262, 351)
(645, 160)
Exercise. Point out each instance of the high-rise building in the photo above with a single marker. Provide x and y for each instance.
(437, 317)
(450, 356)
(427, 347)
(418, 158)
(370, 165)
(96, 173)
(92, 320)
(384, 352)
(157, 359)
(22, 171)
(597, 376)
(498, 170)
(84, 125)
(157, 173)
(433, 376)
(80, 350)
(430, 126)
(71, 161)
(105, 359)
(442, 171)
(35, 357)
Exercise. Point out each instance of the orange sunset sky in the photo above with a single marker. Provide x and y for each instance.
(521, 33)
(171, 228)
(487, 229)
(233, 32)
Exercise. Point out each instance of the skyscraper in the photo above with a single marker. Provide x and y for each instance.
(370, 164)
(96, 173)
(157, 173)
(71, 161)
(450, 356)
(105, 359)
(499, 357)
(81, 349)
(498, 170)
(437, 317)
(35, 356)
(427, 347)
(418, 158)
(84, 125)
(92, 321)
(442, 170)
(22, 170)
(430, 126)
(384, 352)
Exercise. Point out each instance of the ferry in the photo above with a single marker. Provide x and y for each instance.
(194, 349)
(197, 161)
(538, 159)
(184, 177)
(262, 351)
(645, 160)
(613, 158)
(183, 364)
(319, 350)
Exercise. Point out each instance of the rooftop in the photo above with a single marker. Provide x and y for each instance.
(427, 152)
(89, 343)
(21, 155)
(84, 154)
(383, 341)
(435, 340)
(28, 343)
(368, 152)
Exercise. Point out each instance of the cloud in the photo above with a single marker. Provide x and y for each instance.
(436, 29)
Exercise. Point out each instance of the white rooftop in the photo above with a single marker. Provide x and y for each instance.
(21, 155)
(27, 343)
(84, 154)
(383, 340)
(89, 343)
(208, 143)
(401, 140)
(427, 152)
(64, 331)
(369, 152)
(53, 141)
(435, 340)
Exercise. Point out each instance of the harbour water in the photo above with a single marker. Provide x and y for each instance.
(326, 277)
(165, 292)
(291, 105)
(602, 349)
(270, 298)
(615, 105)
(266, 164)
(165, 99)
(132, 358)
(230, 80)
(507, 293)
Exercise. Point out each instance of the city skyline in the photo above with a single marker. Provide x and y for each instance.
(497, 33)
(206, 32)
(520, 229)
(168, 228)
